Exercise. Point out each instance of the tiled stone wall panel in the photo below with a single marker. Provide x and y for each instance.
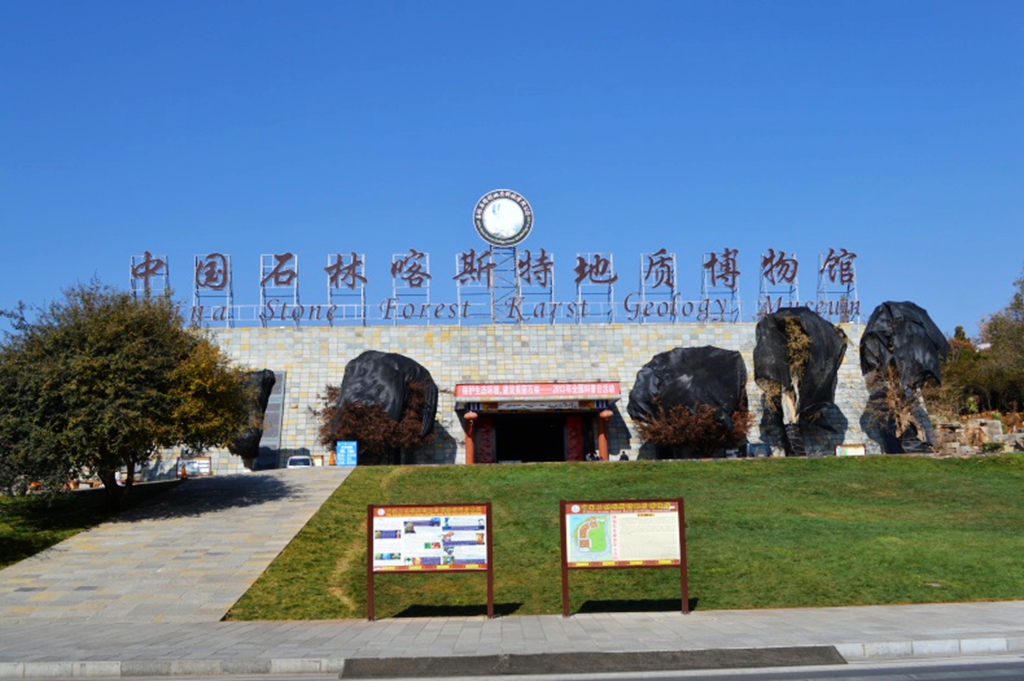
(316, 356)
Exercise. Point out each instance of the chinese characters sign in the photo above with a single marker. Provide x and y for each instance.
(656, 297)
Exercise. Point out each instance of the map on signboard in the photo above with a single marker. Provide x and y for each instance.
(622, 533)
(589, 540)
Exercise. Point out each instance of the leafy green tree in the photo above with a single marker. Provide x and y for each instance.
(988, 376)
(957, 395)
(1003, 378)
(99, 381)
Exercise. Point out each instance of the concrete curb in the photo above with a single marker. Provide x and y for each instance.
(851, 652)
(953, 647)
(139, 668)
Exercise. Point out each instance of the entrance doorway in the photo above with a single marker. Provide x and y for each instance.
(529, 437)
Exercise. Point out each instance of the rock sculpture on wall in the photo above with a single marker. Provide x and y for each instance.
(689, 378)
(383, 378)
(247, 444)
(900, 353)
(379, 379)
(796, 364)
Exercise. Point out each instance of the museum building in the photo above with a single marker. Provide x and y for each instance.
(540, 393)
(521, 377)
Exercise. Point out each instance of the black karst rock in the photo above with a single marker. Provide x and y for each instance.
(688, 377)
(247, 444)
(383, 378)
(797, 339)
(900, 352)
(904, 336)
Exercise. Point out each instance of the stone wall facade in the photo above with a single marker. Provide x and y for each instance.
(314, 357)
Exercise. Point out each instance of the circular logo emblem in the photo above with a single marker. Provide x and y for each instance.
(503, 217)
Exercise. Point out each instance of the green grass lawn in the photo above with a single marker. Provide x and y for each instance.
(760, 533)
(31, 524)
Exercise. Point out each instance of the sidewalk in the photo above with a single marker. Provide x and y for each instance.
(186, 558)
(143, 596)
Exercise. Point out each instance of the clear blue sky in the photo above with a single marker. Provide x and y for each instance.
(892, 129)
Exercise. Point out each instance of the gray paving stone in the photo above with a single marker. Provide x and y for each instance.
(48, 669)
(12, 670)
(96, 668)
(938, 648)
(983, 646)
(246, 666)
(295, 666)
(889, 649)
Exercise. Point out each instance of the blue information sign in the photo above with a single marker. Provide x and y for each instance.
(346, 452)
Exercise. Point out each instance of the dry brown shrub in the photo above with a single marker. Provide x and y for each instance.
(380, 439)
(741, 422)
(798, 353)
(890, 400)
(798, 345)
(698, 431)
(772, 395)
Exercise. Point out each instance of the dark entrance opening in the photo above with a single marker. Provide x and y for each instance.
(529, 437)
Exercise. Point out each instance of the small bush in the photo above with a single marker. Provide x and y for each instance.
(891, 401)
(380, 439)
(698, 431)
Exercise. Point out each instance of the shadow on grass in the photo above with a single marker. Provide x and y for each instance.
(15, 549)
(637, 605)
(500, 610)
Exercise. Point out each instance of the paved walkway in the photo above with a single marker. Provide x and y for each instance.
(144, 596)
(186, 558)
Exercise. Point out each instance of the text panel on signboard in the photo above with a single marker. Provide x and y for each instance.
(414, 538)
(346, 453)
(622, 534)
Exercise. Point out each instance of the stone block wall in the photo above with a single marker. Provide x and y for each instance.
(316, 356)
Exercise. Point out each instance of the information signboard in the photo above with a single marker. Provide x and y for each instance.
(622, 534)
(429, 538)
(346, 452)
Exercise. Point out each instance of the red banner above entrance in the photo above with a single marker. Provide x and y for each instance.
(596, 390)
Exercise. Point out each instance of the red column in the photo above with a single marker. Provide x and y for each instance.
(470, 417)
(602, 433)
